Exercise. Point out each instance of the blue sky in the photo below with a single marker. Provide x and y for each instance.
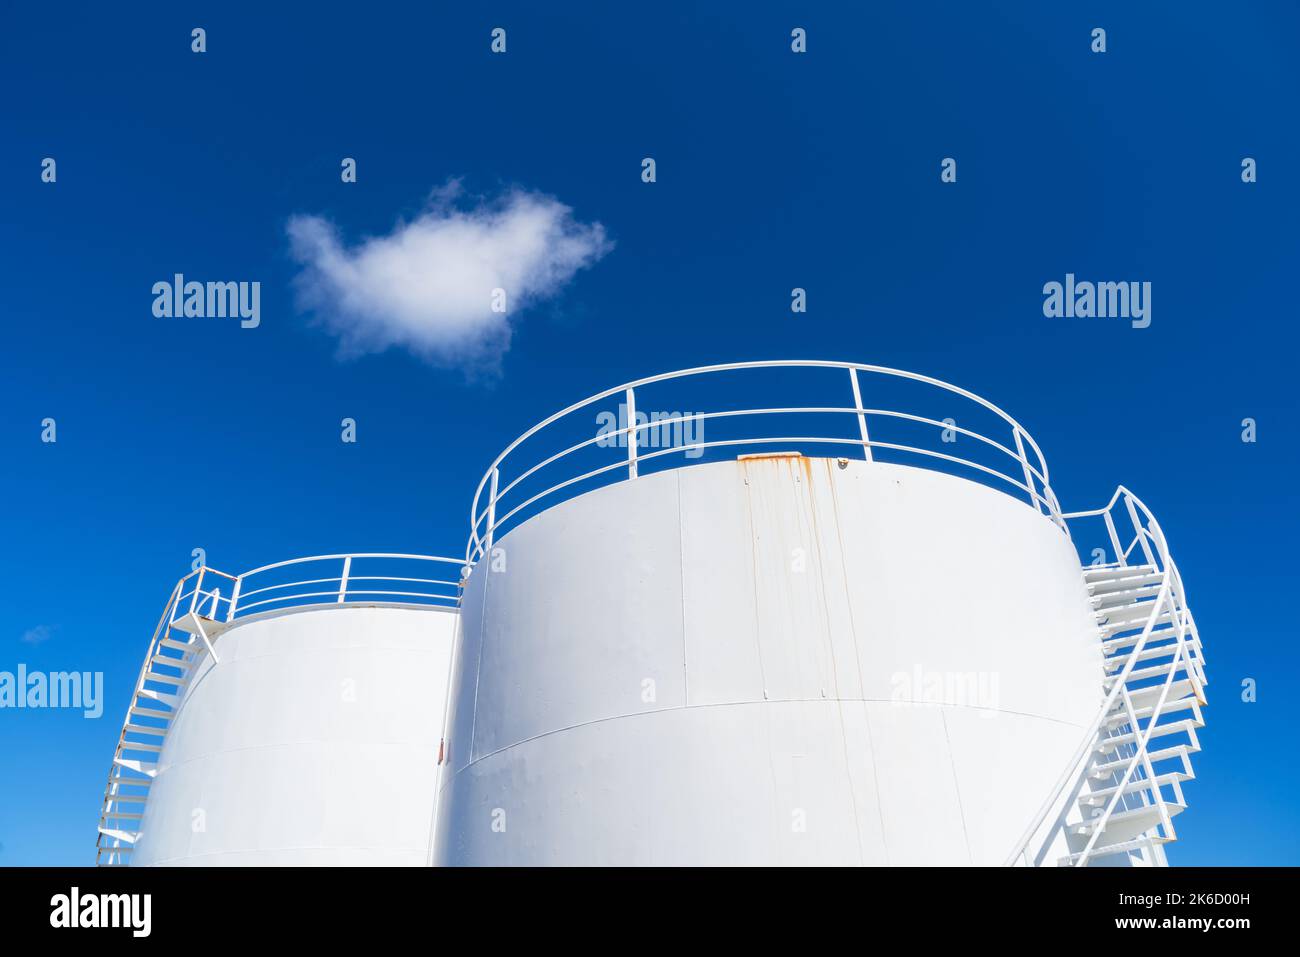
(774, 170)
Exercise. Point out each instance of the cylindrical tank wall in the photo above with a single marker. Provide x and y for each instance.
(776, 660)
(314, 741)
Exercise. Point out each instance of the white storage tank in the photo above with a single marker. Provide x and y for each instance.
(789, 651)
(775, 660)
(309, 734)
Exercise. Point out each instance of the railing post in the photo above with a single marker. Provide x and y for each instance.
(631, 434)
(234, 599)
(343, 581)
(198, 589)
(1054, 511)
(1137, 527)
(862, 416)
(1024, 463)
(491, 515)
(1114, 538)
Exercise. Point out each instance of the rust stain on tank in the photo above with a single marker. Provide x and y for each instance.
(769, 455)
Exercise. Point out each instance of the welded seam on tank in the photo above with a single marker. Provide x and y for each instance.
(443, 745)
(750, 491)
(741, 704)
(857, 657)
(753, 573)
(956, 786)
(681, 577)
(880, 808)
(853, 633)
(478, 667)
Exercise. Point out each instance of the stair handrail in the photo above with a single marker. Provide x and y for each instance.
(110, 786)
(1141, 753)
(1169, 580)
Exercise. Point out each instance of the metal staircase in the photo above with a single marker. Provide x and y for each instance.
(183, 636)
(1118, 797)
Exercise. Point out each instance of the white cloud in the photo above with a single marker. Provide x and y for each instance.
(428, 285)
(38, 635)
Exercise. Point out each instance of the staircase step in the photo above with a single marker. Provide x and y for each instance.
(1117, 586)
(1131, 614)
(131, 764)
(1124, 847)
(1168, 649)
(152, 713)
(163, 696)
(132, 782)
(191, 622)
(144, 729)
(1141, 674)
(165, 679)
(1179, 689)
(1113, 645)
(118, 835)
(1137, 816)
(120, 816)
(137, 746)
(1115, 599)
(1157, 635)
(1107, 745)
(1119, 716)
(1094, 574)
(120, 798)
(1107, 768)
(190, 645)
(1100, 797)
(1112, 628)
(171, 661)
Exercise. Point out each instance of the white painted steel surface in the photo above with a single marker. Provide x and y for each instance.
(314, 741)
(772, 660)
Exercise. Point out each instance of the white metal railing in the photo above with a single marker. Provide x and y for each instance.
(356, 578)
(1183, 644)
(1019, 462)
(366, 577)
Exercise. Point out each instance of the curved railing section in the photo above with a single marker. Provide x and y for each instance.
(1154, 672)
(624, 431)
(362, 578)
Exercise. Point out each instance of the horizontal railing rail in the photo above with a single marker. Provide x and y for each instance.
(383, 577)
(500, 501)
